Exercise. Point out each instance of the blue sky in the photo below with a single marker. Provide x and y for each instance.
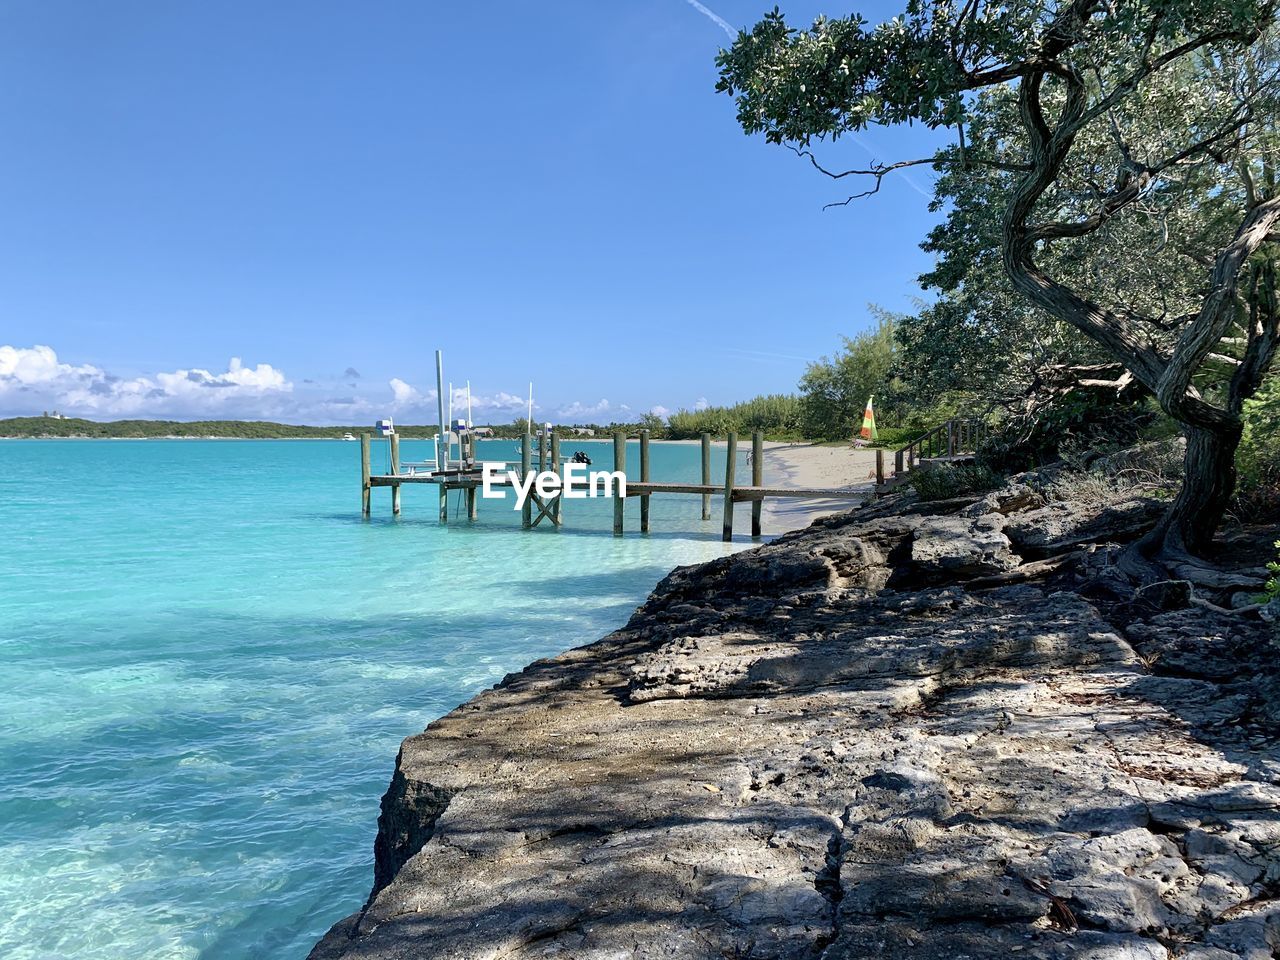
(329, 191)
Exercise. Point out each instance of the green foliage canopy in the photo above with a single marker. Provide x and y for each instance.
(1121, 170)
(834, 390)
(777, 415)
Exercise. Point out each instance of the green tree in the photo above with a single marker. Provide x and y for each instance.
(1131, 168)
(656, 426)
(1260, 448)
(834, 390)
(777, 415)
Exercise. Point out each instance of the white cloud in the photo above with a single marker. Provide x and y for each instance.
(403, 394)
(660, 411)
(585, 411)
(407, 399)
(37, 365)
(500, 402)
(701, 403)
(34, 379)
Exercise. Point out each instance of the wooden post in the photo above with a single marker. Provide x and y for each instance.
(395, 472)
(619, 464)
(542, 448)
(879, 467)
(757, 479)
(951, 438)
(731, 452)
(555, 465)
(644, 478)
(897, 465)
(366, 489)
(473, 509)
(706, 475)
(526, 465)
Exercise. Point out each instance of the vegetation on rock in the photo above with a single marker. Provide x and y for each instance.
(945, 481)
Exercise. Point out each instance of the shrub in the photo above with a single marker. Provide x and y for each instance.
(835, 389)
(1272, 590)
(1074, 427)
(778, 415)
(895, 438)
(1258, 493)
(944, 481)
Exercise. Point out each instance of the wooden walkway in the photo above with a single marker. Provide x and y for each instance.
(639, 489)
(951, 443)
(468, 478)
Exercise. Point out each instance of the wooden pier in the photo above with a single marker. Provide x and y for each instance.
(468, 477)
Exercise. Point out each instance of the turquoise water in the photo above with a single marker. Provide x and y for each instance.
(208, 660)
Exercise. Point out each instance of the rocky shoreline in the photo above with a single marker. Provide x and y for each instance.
(911, 730)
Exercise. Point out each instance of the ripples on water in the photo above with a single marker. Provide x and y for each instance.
(208, 661)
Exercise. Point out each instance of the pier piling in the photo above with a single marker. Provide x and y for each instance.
(619, 464)
(731, 454)
(473, 510)
(757, 479)
(394, 440)
(366, 488)
(526, 465)
(706, 475)
(644, 478)
(558, 503)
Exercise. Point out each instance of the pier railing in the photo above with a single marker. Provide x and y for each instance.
(953, 441)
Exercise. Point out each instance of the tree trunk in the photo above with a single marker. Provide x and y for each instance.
(1186, 531)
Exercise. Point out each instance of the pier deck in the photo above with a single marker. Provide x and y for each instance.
(470, 478)
(639, 488)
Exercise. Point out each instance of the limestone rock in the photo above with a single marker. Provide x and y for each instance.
(962, 546)
(832, 747)
(1060, 526)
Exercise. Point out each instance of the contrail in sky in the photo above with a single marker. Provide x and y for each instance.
(865, 144)
(715, 18)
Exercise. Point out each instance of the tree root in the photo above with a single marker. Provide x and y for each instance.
(1193, 600)
(1028, 571)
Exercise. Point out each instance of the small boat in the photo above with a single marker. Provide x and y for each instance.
(348, 436)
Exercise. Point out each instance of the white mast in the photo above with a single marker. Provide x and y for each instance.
(529, 422)
(442, 442)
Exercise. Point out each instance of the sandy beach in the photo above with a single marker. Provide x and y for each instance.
(812, 465)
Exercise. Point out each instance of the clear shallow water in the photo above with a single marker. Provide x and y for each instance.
(207, 661)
